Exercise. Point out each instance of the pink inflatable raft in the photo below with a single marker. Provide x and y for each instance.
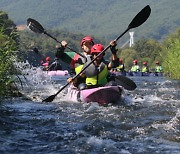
(101, 95)
(58, 73)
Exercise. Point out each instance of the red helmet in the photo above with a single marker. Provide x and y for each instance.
(48, 58)
(135, 61)
(157, 62)
(144, 63)
(97, 48)
(87, 38)
(120, 60)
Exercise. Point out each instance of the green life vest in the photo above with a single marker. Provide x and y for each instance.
(99, 79)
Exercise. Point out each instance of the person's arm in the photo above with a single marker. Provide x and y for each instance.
(65, 56)
(115, 60)
(60, 50)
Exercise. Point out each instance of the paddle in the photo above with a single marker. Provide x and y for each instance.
(139, 19)
(125, 82)
(36, 27)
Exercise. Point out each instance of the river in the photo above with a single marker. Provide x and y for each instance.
(146, 121)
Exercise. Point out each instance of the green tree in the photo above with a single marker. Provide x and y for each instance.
(8, 24)
(8, 48)
(171, 55)
(148, 50)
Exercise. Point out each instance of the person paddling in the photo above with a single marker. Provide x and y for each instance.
(55, 66)
(46, 63)
(135, 68)
(158, 69)
(97, 74)
(145, 68)
(76, 61)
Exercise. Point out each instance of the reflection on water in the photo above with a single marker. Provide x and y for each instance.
(147, 122)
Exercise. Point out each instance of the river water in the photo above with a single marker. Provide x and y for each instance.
(146, 120)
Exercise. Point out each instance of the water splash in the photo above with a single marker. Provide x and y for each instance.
(35, 83)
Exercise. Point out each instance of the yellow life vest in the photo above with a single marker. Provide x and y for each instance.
(120, 68)
(135, 68)
(144, 69)
(99, 79)
(78, 68)
(158, 69)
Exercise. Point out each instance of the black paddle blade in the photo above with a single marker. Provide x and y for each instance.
(141, 17)
(49, 99)
(35, 26)
(125, 82)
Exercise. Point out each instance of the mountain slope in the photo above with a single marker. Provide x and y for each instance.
(102, 18)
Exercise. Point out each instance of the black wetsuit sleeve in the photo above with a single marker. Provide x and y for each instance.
(65, 56)
(59, 52)
(115, 63)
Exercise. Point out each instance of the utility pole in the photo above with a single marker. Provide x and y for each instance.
(131, 41)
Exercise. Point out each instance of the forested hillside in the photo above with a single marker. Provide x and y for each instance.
(104, 18)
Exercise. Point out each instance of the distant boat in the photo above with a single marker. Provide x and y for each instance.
(57, 75)
(138, 73)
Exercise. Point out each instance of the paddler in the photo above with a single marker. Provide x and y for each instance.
(97, 73)
(135, 67)
(55, 65)
(158, 68)
(46, 63)
(145, 68)
(73, 59)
